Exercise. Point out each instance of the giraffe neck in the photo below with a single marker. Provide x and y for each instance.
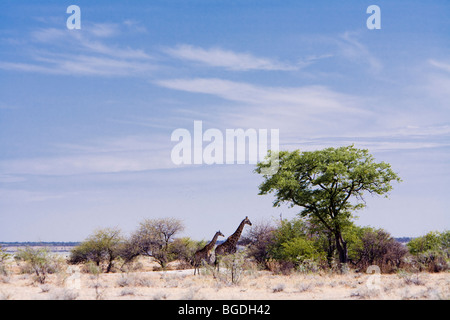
(233, 239)
(210, 245)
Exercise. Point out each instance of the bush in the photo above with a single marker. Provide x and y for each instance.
(432, 261)
(432, 241)
(431, 251)
(40, 261)
(3, 262)
(103, 247)
(280, 266)
(235, 266)
(299, 249)
(183, 249)
(294, 242)
(378, 247)
(259, 239)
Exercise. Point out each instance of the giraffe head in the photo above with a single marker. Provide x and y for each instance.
(220, 234)
(247, 221)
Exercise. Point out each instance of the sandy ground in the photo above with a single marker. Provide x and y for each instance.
(182, 284)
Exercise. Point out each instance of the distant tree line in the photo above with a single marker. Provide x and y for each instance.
(37, 244)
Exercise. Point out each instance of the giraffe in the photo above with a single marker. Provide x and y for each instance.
(229, 246)
(205, 253)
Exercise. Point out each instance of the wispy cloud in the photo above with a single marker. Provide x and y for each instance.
(105, 30)
(436, 82)
(309, 99)
(298, 112)
(395, 140)
(306, 116)
(217, 57)
(445, 66)
(352, 49)
(81, 53)
(123, 154)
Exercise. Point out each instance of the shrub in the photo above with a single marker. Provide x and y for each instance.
(298, 250)
(234, 265)
(183, 249)
(294, 242)
(432, 241)
(280, 266)
(40, 261)
(431, 251)
(3, 262)
(378, 247)
(103, 247)
(259, 239)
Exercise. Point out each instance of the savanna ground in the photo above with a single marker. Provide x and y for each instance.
(148, 284)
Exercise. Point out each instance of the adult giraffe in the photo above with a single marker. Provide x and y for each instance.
(229, 246)
(205, 252)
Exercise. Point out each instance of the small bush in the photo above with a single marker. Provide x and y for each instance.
(411, 278)
(235, 266)
(128, 292)
(66, 294)
(280, 266)
(39, 261)
(303, 287)
(278, 288)
(3, 262)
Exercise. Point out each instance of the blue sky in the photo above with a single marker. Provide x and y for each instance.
(86, 115)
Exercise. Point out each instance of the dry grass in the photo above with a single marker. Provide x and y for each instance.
(182, 284)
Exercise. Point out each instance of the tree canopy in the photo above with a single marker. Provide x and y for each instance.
(329, 184)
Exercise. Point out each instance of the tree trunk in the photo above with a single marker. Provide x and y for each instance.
(330, 250)
(341, 247)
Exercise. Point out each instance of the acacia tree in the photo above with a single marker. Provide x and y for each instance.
(153, 238)
(102, 247)
(328, 184)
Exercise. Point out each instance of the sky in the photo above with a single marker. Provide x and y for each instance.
(86, 115)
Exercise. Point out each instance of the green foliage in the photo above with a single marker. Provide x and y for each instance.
(293, 242)
(328, 184)
(3, 255)
(3, 262)
(431, 251)
(183, 249)
(102, 247)
(40, 261)
(432, 241)
(300, 249)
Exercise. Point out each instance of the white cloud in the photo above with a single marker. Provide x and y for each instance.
(105, 30)
(312, 116)
(308, 99)
(440, 65)
(217, 57)
(355, 51)
(82, 54)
